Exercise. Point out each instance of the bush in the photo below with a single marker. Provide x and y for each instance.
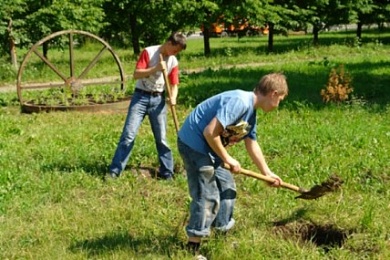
(8, 73)
(338, 87)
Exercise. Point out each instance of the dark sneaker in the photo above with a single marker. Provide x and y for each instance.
(168, 177)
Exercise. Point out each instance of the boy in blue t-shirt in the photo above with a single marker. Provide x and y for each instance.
(214, 124)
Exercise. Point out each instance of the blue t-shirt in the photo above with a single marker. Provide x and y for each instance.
(232, 108)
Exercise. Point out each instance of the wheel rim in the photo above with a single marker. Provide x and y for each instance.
(71, 79)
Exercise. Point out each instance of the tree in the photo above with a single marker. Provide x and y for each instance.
(276, 16)
(359, 12)
(313, 13)
(26, 21)
(381, 10)
(319, 14)
(207, 13)
(255, 11)
(10, 18)
(146, 22)
(49, 16)
(372, 12)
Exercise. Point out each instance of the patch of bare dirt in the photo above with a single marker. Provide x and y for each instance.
(151, 172)
(326, 236)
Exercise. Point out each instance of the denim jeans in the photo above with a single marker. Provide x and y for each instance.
(141, 105)
(212, 190)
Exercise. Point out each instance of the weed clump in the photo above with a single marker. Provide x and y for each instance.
(339, 87)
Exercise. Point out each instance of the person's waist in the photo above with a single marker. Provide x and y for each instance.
(151, 93)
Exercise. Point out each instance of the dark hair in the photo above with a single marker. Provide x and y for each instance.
(178, 38)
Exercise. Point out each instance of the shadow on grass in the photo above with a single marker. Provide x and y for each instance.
(284, 44)
(305, 83)
(298, 214)
(100, 169)
(123, 241)
(96, 169)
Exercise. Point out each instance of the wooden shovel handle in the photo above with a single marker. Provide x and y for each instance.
(168, 88)
(266, 179)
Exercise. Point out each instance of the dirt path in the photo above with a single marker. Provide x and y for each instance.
(10, 88)
(7, 88)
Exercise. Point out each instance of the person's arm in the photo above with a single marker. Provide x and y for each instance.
(174, 92)
(144, 73)
(212, 134)
(257, 156)
(174, 84)
(142, 70)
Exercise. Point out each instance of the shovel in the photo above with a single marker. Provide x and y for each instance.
(332, 184)
(168, 88)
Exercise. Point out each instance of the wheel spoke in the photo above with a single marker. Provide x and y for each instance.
(71, 55)
(68, 80)
(43, 85)
(101, 82)
(92, 63)
(51, 65)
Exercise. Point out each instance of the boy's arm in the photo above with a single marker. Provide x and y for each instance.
(144, 73)
(142, 70)
(257, 156)
(174, 84)
(212, 134)
(174, 92)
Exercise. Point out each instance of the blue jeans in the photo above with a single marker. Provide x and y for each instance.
(141, 105)
(212, 190)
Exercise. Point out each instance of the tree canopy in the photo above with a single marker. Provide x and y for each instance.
(138, 23)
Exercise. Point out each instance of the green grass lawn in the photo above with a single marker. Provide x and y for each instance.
(54, 204)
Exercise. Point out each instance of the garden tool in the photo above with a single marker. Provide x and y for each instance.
(168, 88)
(332, 184)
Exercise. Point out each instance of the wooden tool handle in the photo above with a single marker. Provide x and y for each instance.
(168, 88)
(266, 179)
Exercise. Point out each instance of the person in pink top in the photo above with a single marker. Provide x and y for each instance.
(149, 100)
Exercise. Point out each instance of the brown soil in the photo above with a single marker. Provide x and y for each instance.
(331, 185)
(151, 172)
(120, 105)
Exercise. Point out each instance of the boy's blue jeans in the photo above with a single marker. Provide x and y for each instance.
(141, 105)
(212, 190)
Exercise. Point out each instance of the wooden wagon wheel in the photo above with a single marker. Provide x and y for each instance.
(75, 79)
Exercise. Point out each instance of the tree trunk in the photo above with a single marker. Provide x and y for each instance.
(134, 34)
(12, 46)
(359, 30)
(270, 37)
(14, 58)
(45, 47)
(206, 41)
(316, 30)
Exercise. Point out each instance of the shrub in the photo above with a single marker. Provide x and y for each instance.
(8, 72)
(339, 87)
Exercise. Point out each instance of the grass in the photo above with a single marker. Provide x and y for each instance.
(54, 204)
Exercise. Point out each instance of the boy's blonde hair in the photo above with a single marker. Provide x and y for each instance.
(271, 82)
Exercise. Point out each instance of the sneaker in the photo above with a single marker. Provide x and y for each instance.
(111, 176)
(168, 177)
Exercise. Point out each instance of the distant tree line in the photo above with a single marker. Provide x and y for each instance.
(137, 23)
